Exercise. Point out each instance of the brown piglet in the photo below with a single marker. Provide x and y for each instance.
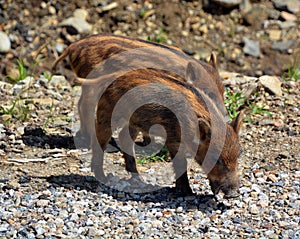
(193, 124)
(99, 55)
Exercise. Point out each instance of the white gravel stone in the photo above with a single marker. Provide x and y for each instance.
(81, 14)
(228, 3)
(5, 44)
(254, 209)
(80, 25)
(271, 83)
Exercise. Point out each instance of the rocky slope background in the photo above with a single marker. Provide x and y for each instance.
(46, 187)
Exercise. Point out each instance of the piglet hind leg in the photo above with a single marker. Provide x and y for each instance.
(180, 167)
(99, 143)
(82, 138)
(183, 186)
(127, 146)
(86, 109)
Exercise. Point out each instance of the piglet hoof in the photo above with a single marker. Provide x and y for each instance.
(232, 194)
(82, 140)
(100, 177)
(135, 177)
(184, 191)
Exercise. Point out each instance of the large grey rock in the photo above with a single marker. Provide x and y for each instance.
(290, 5)
(251, 47)
(282, 46)
(271, 83)
(5, 44)
(256, 16)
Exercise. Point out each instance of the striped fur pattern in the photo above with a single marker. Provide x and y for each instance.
(100, 55)
(224, 174)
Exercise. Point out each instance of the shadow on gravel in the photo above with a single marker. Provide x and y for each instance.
(166, 196)
(37, 137)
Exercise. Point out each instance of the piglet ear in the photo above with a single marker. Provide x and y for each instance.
(237, 122)
(204, 129)
(191, 72)
(213, 60)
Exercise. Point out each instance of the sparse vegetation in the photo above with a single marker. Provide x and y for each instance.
(159, 37)
(234, 102)
(22, 72)
(255, 109)
(20, 106)
(161, 156)
(19, 109)
(50, 117)
(47, 76)
(292, 74)
(142, 11)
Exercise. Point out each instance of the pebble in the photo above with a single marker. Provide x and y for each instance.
(251, 47)
(42, 203)
(81, 14)
(22, 85)
(52, 10)
(59, 48)
(80, 25)
(228, 3)
(288, 17)
(282, 46)
(286, 25)
(108, 7)
(179, 209)
(254, 209)
(275, 35)
(291, 5)
(5, 44)
(256, 16)
(39, 230)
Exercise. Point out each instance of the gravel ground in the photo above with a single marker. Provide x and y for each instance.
(48, 191)
(46, 187)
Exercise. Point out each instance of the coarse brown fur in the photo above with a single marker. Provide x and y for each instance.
(100, 55)
(224, 172)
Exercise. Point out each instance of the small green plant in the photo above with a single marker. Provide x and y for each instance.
(47, 76)
(255, 109)
(8, 110)
(18, 110)
(22, 72)
(142, 11)
(159, 37)
(161, 156)
(50, 117)
(292, 74)
(233, 102)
